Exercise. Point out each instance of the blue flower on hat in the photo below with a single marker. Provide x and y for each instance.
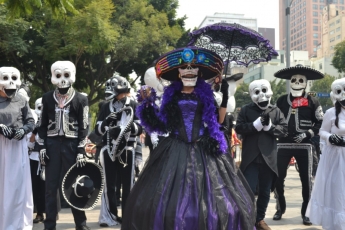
(187, 55)
(201, 57)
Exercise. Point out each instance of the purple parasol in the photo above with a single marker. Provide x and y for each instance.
(233, 42)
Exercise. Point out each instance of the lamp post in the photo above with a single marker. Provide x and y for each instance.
(287, 39)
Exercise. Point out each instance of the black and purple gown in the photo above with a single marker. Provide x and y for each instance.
(185, 186)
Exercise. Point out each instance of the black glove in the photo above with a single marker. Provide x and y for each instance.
(335, 139)
(19, 134)
(300, 137)
(225, 91)
(265, 119)
(6, 131)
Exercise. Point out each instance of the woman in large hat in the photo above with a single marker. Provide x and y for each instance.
(189, 181)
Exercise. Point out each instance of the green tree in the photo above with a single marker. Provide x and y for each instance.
(338, 60)
(100, 40)
(324, 86)
(242, 96)
(278, 88)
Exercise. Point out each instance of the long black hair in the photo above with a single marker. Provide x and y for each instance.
(337, 111)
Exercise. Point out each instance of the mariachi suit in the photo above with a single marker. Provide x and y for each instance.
(117, 168)
(259, 151)
(62, 129)
(302, 115)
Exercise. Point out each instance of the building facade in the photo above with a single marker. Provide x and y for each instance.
(269, 34)
(305, 23)
(230, 18)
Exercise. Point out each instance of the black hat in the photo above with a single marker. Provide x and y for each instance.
(309, 73)
(234, 77)
(82, 187)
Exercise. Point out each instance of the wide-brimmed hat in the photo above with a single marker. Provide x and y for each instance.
(234, 77)
(309, 73)
(209, 63)
(82, 187)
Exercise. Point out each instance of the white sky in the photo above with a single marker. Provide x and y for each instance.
(265, 11)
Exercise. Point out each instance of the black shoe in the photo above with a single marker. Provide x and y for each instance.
(38, 219)
(50, 229)
(103, 225)
(119, 219)
(278, 215)
(82, 227)
(306, 221)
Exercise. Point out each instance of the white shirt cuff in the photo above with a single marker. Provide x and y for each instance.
(267, 127)
(257, 124)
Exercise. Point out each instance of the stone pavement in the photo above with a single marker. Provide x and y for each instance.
(291, 219)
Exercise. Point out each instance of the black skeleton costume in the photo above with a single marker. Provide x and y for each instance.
(16, 206)
(119, 127)
(304, 116)
(62, 129)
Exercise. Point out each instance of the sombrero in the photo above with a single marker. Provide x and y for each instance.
(82, 187)
(209, 63)
(309, 73)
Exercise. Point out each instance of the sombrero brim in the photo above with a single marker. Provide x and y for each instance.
(92, 170)
(309, 73)
(235, 77)
(209, 63)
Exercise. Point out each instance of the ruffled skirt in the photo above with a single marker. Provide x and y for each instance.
(184, 187)
(327, 203)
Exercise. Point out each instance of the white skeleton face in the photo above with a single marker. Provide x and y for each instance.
(298, 83)
(261, 93)
(9, 81)
(189, 81)
(38, 106)
(338, 90)
(189, 75)
(63, 74)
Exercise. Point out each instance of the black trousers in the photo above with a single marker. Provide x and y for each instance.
(305, 164)
(62, 153)
(38, 188)
(258, 172)
(113, 170)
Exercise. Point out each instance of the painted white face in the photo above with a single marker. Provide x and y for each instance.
(9, 81)
(63, 74)
(189, 75)
(189, 81)
(150, 79)
(298, 83)
(38, 106)
(332, 98)
(260, 91)
(338, 90)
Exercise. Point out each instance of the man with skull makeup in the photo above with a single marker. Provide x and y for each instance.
(327, 202)
(304, 116)
(119, 135)
(260, 124)
(16, 206)
(62, 129)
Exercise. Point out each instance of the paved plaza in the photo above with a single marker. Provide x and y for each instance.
(291, 219)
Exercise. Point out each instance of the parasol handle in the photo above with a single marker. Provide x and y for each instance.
(226, 67)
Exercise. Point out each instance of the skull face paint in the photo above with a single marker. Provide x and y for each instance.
(9, 81)
(260, 91)
(338, 90)
(298, 83)
(189, 75)
(63, 74)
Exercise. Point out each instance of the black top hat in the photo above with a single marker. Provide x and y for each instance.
(234, 77)
(309, 73)
(83, 186)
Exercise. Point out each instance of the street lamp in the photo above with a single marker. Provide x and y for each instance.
(287, 40)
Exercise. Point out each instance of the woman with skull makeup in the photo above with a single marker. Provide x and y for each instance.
(260, 124)
(16, 205)
(304, 116)
(327, 202)
(62, 130)
(189, 180)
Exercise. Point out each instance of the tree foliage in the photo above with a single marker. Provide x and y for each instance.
(324, 86)
(104, 37)
(338, 60)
